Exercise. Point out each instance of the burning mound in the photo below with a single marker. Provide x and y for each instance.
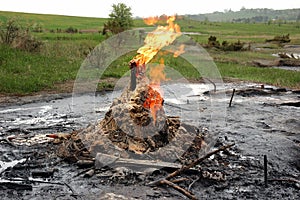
(136, 121)
(130, 125)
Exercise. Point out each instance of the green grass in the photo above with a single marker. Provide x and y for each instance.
(62, 53)
(279, 77)
(55, 21)
(246, 32)
(23, 72)
(241, 57)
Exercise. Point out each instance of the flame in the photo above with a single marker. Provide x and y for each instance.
(162, 36)
(179, 51)
(154, 100)
(157, 74)
(151, 20)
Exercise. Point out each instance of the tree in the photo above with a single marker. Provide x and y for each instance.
(120, 19)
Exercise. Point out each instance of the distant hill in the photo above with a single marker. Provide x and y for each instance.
(250, 15)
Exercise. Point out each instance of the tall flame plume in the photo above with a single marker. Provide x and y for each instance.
(161, 37)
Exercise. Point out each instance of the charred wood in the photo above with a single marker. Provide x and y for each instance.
(103, 160)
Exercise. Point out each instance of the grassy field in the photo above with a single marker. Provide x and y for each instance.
(62, 53)
(55, 21)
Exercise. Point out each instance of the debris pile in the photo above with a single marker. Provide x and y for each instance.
(129, 126)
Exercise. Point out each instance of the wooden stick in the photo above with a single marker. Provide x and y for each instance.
(132, 75)
(179, 189)
(184, 168)
(233, 91)
(198, 161)
(190, 186)
(171, 105)
(215, 87)
(193, 164)
(110, 160)
(14, 180)
(179, 180)
(266, 170)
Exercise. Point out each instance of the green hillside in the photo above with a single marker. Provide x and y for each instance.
(250, 15)
(55, 21)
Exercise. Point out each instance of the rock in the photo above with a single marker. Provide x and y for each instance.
(112, 196)
(103, 160)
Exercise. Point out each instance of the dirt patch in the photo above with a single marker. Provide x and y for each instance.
(60, 90)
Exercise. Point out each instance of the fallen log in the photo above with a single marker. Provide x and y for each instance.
(103, 160)
(85, 163)
(43, 174)
(294, 104)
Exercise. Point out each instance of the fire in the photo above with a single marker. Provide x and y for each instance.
(151, 20)
(179, 51)
(154, 100)
(157, 75)
(162, 36)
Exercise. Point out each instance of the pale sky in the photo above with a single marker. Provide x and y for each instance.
(141, 8)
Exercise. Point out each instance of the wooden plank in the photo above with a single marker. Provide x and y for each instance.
(103, 160)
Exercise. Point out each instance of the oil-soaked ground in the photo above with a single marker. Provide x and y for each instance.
(260, 122)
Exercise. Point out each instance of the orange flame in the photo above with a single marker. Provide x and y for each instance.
(154, 100)
(157, 73)
(151, 20)
(179, 51)
(162, 36)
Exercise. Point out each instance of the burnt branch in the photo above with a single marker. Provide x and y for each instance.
(179, 189)
(132, 66)
(165, 181)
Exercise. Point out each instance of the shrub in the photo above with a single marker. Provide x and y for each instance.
(16, 36)
(37, 27)
(236, 46)
(28, 43)
(9, 31)
(71, 30)
(226, 46)
(280, 39)
(212, 42)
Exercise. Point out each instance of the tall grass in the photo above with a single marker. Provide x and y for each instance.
(22, 72)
